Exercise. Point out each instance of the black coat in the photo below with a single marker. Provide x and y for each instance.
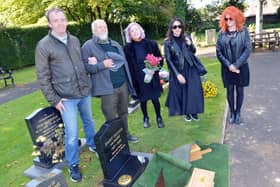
(144, 91)
(186, 98)
(234, 50)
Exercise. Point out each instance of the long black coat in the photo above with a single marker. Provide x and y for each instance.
(144, 91)
(186, 98)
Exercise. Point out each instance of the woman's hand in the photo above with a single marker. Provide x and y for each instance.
(188, 41)
(232, 68)
(181, 79)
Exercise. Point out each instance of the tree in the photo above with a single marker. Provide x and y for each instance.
(180, 9)
(259, 15)
(240, 4)
(193, 19)
(16, 12)
(155, 13)
(22, 12)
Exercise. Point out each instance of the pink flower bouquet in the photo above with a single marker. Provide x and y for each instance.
(152, 64)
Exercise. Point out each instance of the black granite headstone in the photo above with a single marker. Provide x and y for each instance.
(119, 166)
(47, 133)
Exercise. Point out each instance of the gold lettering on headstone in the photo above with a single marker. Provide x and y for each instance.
(114, 144)
(46, 125)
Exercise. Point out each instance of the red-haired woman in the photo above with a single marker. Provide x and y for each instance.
(233, 49)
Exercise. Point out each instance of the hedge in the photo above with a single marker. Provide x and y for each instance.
(18, 44)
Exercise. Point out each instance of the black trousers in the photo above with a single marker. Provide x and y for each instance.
(156, 104)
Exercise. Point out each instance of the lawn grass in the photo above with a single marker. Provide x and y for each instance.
(22, 76)
(16, 144)
(25, 75)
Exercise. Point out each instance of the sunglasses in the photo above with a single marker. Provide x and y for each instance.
(176, 26)
(226, 19)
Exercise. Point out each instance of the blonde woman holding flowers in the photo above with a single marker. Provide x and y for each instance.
(185, 95)
(138, 50)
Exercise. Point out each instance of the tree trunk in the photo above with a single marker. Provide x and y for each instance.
(122, 33)
(259, 16)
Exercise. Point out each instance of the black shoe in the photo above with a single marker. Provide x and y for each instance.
(146, 122)
(75, 174)
(238, 118)
(188, 118)
(160, 123)
(195, 117)
(232, 118)
(132, 139)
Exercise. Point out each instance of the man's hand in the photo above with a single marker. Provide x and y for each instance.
(92, 60)
(108, 63)
(59, 106)
(181, 79)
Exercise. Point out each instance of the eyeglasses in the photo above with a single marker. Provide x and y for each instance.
(226, 19)
(176, 26)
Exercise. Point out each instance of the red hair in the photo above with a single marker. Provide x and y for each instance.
(236, 14)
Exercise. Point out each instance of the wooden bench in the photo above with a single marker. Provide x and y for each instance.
(277, 38)
(264, 40)
(7, 75)
(271, 40)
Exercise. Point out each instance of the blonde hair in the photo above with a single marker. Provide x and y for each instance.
(128, 28)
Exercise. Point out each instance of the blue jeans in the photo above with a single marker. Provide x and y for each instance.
(70, 119)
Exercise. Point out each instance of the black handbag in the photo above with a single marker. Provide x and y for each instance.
(200, 67)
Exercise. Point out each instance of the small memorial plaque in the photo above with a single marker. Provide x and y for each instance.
(119, 166)
(47, 133)
(202, 178)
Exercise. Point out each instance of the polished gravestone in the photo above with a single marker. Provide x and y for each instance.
(47, 133)
(119, 166)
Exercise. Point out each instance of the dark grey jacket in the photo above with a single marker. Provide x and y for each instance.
(100, 75)
(60, 69)
(242, 52)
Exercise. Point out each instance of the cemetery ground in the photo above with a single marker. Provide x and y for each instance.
(16, 143)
